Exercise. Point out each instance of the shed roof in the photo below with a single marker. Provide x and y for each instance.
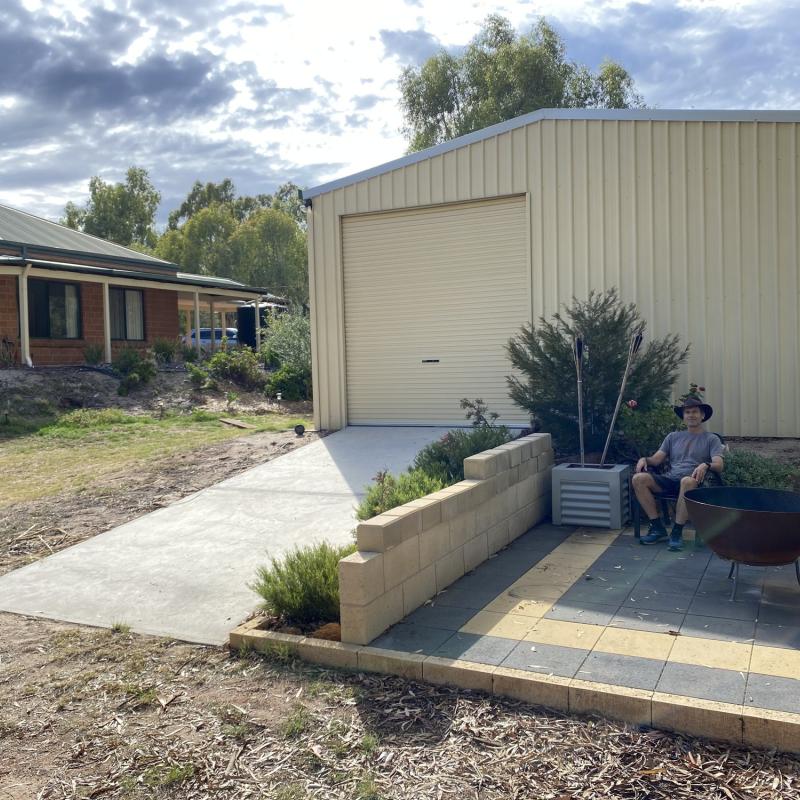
(21, 228)
(654, 114)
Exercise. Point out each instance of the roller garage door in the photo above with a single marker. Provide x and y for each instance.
(431, 298)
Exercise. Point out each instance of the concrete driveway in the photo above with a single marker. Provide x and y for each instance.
(182, 571)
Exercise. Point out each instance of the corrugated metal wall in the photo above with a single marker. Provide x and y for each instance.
(697, 222)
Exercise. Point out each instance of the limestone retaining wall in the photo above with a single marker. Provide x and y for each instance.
(408, 554)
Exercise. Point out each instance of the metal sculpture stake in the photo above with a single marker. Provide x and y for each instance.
(636, 343)
(577, 352)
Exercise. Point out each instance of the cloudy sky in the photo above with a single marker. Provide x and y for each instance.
(306, 90)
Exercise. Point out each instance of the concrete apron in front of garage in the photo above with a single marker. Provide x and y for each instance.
(587, 621)
(183, 571)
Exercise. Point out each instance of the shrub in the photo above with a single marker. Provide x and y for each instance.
(188, 353)
(96, 418)
(164, 350)
(93, 354)
(745, 468)
(239, 366)
(303, 586)
(133, 369)
(444, 458)
(197, 375)
(547, 387)
(389, 491)
(640, 432)
(291, 383)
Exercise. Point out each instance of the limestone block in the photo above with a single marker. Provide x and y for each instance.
(528, 468)
(361, 578)
(546, 459)
(361, 624)
(401, 562)
(488, 514)
(482, 491)
(449, 569)
(524, 449)
(705, 718)
(526, 491)
(768, 729)
(431, 508)
(516, 525)
(539, 443)
(497, 537)
(476, 551)
(454, 672)
(503, 459)
(391, 662)
(513, 475)
(329, 654)
(501, 481)
(419, 588)
(616, 702)
(481, 466)
(463, 528)
(459, 500)
(538, 689)
(434, 544)
(515, 450)
(388, 530)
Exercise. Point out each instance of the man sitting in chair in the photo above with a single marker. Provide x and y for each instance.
(691, 453)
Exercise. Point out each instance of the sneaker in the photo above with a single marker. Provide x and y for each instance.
(655, 533)
(675, 542)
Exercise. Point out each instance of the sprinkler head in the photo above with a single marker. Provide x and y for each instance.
(299, 429)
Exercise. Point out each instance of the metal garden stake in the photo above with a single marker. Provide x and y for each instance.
(636, 343)
(577, 352)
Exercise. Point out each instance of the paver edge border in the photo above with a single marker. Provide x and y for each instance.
(688, 716)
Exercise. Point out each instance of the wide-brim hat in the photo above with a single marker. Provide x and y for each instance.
(693, 402)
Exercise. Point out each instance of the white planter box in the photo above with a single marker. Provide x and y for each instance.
(592, 495)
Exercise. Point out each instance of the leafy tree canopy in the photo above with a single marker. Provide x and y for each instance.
(124, 213)
(499, 76)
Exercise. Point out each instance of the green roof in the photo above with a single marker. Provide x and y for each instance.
(21, 228)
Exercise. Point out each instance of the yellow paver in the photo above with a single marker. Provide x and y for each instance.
(643, 644)
(566, 634)
(528, 608)
(775, 661)
(492, 623)
(711, 653)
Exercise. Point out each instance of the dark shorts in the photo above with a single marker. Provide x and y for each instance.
(667, 485)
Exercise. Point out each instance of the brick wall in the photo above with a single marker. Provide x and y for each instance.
(408, 554)
(9, 320)
(160, 317)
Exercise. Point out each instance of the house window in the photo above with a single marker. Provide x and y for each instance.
(127, 314)
(54, 310)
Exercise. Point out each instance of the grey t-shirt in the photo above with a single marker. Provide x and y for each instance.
(686, 450)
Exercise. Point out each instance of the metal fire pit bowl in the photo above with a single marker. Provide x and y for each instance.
(757, 527)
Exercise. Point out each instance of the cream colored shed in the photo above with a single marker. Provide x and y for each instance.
(421, 269)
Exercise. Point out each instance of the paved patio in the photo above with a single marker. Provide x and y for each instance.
(587, 605)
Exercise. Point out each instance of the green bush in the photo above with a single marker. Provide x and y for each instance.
(96, 418)
(288, 342)
(188, 353)
(165, 350)
(303, 586)
(444, 458)
(291, 383)
(93, 354)
(198, 376)
(546, 388)
(240, 366)
(389, 491)
(745, 468)
(640, 432)
(133, 369)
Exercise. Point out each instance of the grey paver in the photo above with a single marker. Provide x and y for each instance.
(482, 581)
(437, 616)
(721, 607)
(768, 691)
(586, 613)
(412, 638)
(655, 582)
(464, 598)
(473, 647)
(779, 615)
(596, 592)
(548, 658)
(728, 630)
(630, 671)
(778, 635)
(705, 683)
(658, 601)
(644, 620)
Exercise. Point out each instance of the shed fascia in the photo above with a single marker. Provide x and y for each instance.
(654, 114)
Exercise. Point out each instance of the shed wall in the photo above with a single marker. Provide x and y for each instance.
(696, 222)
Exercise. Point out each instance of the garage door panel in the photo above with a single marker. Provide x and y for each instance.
(450, 283)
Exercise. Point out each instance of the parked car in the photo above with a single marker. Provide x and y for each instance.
(231, 334)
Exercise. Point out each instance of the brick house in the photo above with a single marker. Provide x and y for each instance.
(62, 290)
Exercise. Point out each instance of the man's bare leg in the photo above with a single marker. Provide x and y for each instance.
(681, 514)
(644, 487)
